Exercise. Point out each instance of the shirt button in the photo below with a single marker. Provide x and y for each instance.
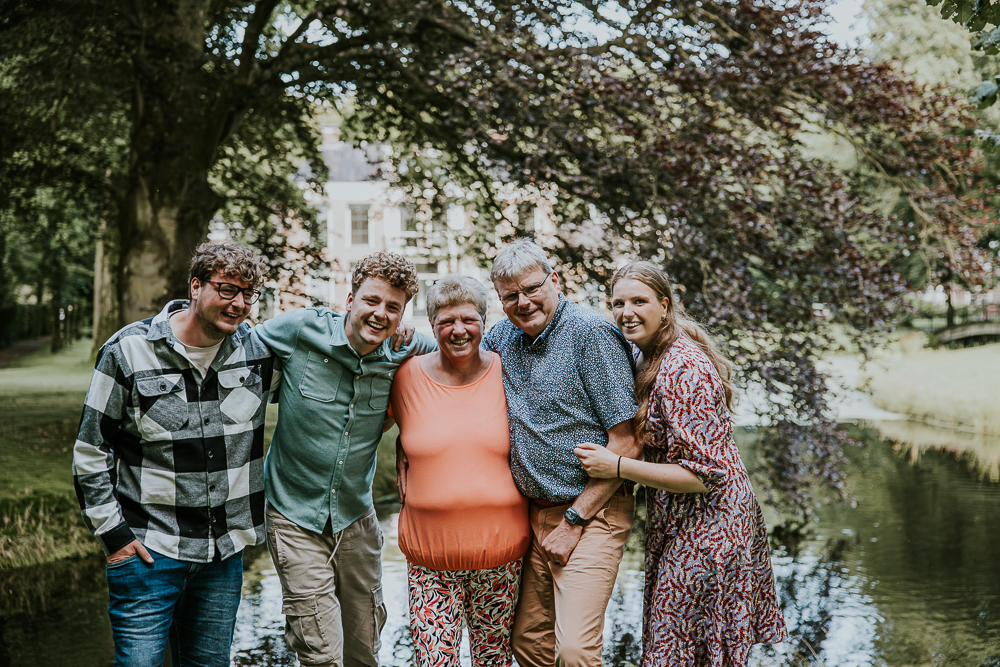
(207, 420)
(162, 387)
(326, 361)
(212, 488)
(357, 377)
(333, 490)
(211, 455)
(340, 462)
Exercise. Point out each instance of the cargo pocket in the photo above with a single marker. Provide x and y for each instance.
(378, 618)
(302, 630)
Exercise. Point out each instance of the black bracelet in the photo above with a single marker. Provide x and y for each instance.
(619, 467)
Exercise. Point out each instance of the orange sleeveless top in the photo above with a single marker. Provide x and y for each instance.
(462, 509)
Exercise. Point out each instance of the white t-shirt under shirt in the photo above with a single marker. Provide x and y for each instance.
(201, 357)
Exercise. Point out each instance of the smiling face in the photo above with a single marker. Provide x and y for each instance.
(458, 330)
(217, 317)
(530, 314)
(373, 313)
(639, 312)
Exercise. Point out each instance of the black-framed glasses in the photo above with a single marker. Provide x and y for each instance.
(531, 290)
(229, 291)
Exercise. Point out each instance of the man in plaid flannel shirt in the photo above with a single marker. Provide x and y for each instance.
(168, 464)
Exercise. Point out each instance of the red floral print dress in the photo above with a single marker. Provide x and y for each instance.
(709, 592)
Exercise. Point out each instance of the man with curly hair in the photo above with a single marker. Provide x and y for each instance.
(168, 463)
(322, 531)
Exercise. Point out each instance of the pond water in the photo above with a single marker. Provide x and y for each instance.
(908, 574)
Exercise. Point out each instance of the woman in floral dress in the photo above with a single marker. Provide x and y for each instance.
(709, 592)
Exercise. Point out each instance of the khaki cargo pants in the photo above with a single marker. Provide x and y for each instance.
(331, 585)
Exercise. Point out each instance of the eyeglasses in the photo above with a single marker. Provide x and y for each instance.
(229, 291)
(531, 290)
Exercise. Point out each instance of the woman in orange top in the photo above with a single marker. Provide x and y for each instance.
(464, 525)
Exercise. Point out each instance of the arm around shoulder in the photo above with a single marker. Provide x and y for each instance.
(281, 333)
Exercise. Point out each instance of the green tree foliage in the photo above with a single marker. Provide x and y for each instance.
(936, 52)
(979, 17)
(167, 135)
(674, 132)
(663, 130)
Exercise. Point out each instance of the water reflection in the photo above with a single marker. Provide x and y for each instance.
(980, 450)
(905, 576)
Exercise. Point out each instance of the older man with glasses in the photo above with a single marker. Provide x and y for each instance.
(169, 464)
(568, 379)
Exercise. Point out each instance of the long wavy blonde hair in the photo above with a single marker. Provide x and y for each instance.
(675, 323)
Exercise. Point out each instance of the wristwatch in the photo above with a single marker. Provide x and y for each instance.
(573, 517)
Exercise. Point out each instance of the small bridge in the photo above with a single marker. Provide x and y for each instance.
(966, 331)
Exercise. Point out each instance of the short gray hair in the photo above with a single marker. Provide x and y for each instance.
(453, 290)
(518, 258)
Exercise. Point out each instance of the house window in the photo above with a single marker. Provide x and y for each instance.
(359, 224)
(408, 219)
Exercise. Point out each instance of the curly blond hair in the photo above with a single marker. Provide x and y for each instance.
(390, 267)
(230, 259)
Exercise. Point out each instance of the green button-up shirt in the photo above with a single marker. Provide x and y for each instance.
(333, 402)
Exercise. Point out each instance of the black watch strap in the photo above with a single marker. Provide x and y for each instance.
(573, 517)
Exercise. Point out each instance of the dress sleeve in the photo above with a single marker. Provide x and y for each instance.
(686, 399)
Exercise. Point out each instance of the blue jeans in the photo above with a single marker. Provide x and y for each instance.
(193, 603)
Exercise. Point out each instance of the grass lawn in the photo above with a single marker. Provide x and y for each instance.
(954, 388)
(41, 397)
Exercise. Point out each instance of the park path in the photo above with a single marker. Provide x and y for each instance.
(22, 347)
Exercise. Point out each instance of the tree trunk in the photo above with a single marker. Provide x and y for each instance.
(55, 308)
(162, 224)
(5, 287)
(179, 118)
(950, 311)
(107, 318)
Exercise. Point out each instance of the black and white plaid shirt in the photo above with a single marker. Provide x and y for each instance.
(168, 457)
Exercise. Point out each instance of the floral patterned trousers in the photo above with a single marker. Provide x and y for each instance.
(440, 601)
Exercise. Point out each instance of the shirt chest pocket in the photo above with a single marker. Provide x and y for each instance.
(162, 406)
(321, 377)
(239, 394)
(380, 385)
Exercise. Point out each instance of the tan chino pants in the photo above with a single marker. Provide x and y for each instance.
(560, 614)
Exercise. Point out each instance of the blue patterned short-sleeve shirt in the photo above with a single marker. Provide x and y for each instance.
(570, 385)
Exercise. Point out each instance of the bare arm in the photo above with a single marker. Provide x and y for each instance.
(402, 465)
(559, 544)
(603, 464)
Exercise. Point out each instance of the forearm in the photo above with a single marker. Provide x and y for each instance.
(622, 442)
(667, 476)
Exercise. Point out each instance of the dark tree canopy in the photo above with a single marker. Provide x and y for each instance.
(671, 131)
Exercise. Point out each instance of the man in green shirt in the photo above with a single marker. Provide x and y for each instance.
(321, 527)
